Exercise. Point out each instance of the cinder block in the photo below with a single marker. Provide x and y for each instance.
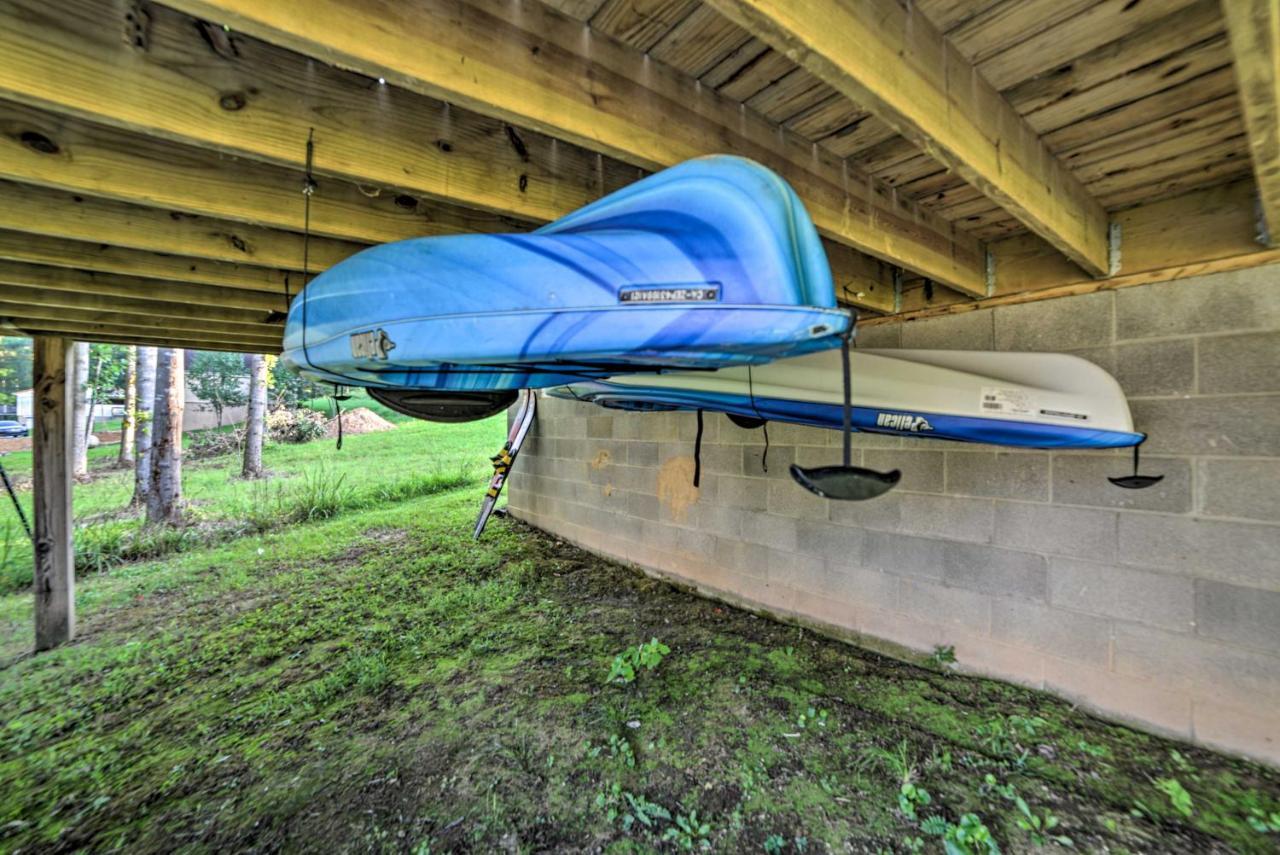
(771, 530)
(1234, 300)
(600, 427)
(1081, 479)
(909, 632)
(782, 433)
(1227, 425)
(999, 475)
(947, 606)
(967, 331)
(642, 453)
(1159, 599)
(834, 543)
(922, 471)
(741, 492)
(1240, 363)
(788, 567)
(845, 582)
(826, 610)
(1050, 325)
(1249, 489)
(640, 479)
(946, 517)
(718, 519)
(1148, 703)
(902, 555)
(884, 513)
(1208, 669)
(789, 499)
(721, 459)
(1066, 635)
(1249, 617)
(778, 460)
(1000, 572)
(1254, 731)
(741, 557)
(1156, 367)
(642, 506)
(878, 336)
(1079, 532)
(687, 426)
(1238, 553)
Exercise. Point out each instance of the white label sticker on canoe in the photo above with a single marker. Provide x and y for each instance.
(1008, 402)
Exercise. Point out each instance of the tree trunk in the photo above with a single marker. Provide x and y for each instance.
(256, 418)
(146, 406)
(79, 408)
(164, 501)
(130, 420)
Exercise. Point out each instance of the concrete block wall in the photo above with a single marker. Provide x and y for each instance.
(1161, 607)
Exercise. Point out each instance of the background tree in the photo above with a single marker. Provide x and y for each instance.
(219, 378)
(79, 410)
(256, 419)
(164, 498)
(290, 388)
(129, 421)
(146, 406)
(15, 367)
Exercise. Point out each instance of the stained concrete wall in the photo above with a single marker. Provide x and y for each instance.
(1159, 606)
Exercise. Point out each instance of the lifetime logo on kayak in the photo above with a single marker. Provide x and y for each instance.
(903, 421)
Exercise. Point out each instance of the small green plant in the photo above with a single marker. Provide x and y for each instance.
(911, 797)
(969, 837)
(897, 760)
(1086, 747)
(1040, 827)
(1263, 822)
(774, 844)
(1178, 795)
(943, 655)
(1184, 765)
(812, 717)
(630, 808)
(914, 845)
(620, 748)
(689, 833)
(627, 664)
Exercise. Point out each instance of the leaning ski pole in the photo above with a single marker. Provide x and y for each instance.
(504, 459)
(8, 485)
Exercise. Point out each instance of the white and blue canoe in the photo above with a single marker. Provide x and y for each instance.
(1023, 400)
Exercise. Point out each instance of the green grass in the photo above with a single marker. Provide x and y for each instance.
(311, 481)
(372, 680)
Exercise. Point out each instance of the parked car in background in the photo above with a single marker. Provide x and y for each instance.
(10, 430)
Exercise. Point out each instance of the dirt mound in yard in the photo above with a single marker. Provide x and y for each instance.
(359, 420)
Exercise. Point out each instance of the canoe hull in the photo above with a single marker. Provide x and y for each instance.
(1023, 400)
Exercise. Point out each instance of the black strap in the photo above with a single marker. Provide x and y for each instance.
(848, 398)
(337, 406)
(8, 485)
(764, 458)
(697, 452)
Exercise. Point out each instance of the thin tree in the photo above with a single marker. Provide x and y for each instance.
(256, 417)
(80, 411)
(146, 405)
(129, 421)
(164, 500)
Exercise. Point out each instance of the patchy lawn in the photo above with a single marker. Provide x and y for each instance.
(376, 681)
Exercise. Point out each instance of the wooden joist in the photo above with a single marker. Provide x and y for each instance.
(1254, 28)
(904, 71)
(48, 150)
(535, 68)
(104, 258)
(112, 335)
(16, 301)
(40, 211)
(211, 301)
(133, 325)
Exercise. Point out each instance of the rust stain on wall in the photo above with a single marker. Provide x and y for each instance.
(675, 487)
(601, 459)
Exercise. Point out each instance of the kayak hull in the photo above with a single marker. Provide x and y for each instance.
(1021, 400)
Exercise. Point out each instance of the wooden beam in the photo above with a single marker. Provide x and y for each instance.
(117, 332)
(50, 306)
(69, 154)
(37, 328)
(904, 71)
(41, 211)
(214, 302)
(104, 258)
(1254, 30)
(1199, 233)
(861, 280)
(531, 66)
(51, 432)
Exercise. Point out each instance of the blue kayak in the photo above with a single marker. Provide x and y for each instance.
(710, 264)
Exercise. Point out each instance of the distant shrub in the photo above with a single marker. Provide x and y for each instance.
(294, 426)
(205, 444)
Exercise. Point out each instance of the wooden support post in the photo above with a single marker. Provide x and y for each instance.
(51, 477)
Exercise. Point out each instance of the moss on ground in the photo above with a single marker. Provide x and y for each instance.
(379, 682)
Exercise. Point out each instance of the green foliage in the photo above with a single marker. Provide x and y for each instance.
(627, 664)
(295, 426)
(774, 844)
(897, 761)
(15, 367)
(689, 833)
(811, 717)
(289, 388)
(1178, 795)
(969, 837)
(1263, 822)
(630, 809)
(943, 655)
(219, 378)
(911, 798)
